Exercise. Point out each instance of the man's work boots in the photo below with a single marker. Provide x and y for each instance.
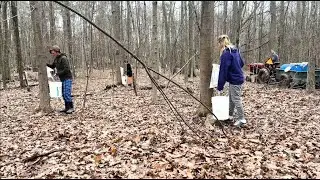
(69, 108)
(65, 108)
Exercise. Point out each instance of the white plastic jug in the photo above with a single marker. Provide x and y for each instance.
(220, 107)
(55, 89)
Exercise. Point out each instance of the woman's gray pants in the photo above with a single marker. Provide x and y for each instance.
(235, 101)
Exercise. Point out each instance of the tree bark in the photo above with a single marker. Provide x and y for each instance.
(1, 46)
(6, 68)
(273, 26)
(14, 13)
(115, 7)
(155, 44)
(41, 57)
(225, 16)
(191, 39)
(281, 43)
(205, 55)
(52, 23)
(68, 37)
(44, 26)
(167, 54)
(261, 26)
(312, 44)
(234, 21)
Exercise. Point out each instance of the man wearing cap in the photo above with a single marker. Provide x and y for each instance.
(61, 63)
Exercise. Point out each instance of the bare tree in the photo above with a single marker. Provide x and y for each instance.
(167, 54)
(14, 13)
(312, 43)
(154, 43)
(6, 51)
(52, 23)
(273, 26)
(191, 39)
(68, 37)
(261, 26)
(115, 8)
(281, 43)
(41, 57)
(1, 45)
(205, 55)
(225, 15)
(44, 25)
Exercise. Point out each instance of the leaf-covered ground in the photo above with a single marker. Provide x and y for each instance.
(120, 135)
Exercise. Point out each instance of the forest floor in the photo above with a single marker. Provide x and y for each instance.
(120, 135)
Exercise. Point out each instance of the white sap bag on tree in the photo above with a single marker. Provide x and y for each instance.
(49, 74)
(214, 75)
(55, 87)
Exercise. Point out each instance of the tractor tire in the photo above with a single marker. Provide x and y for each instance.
(263, 76)
(284, 81)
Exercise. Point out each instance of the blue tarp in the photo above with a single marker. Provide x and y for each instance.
(296, 67)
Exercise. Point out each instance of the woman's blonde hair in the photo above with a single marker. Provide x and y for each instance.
(224, 39)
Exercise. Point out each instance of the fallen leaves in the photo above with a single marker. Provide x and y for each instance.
(125, 136)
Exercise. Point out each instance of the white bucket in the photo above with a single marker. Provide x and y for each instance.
(123, 77)
(220, 107)
(55, 89)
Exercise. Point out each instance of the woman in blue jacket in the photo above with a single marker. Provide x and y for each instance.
(230, 71)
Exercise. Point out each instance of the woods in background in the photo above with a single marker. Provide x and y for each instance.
(172, 32)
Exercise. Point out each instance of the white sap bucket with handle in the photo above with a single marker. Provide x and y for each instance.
(220, 107)
(55, 89)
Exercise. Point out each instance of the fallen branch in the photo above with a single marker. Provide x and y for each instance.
(87, 94)
(36, 155)
(31, 85)
(149, 87)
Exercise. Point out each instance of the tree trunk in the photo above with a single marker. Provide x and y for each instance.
(6, 68)
(185, 41)
(155, 44)
(44, 26)
(302, 29)
(225, 16)
(273, 27)
(191, 39)
(1, 46)
(167, 54)
(261, 26)
(115, 6)
(68, 37)
(41, 57)
(205, 55)
(173, 49)
(52, 23)
(312, 44)
(234, 21)
(14, 13)
(91, 35)
(129, 30)
(281, 43)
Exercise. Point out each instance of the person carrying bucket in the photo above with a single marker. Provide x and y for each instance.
(61, 63)
(230, 71)
(129, 74)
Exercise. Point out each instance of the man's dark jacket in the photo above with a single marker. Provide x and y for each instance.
(63, 68)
